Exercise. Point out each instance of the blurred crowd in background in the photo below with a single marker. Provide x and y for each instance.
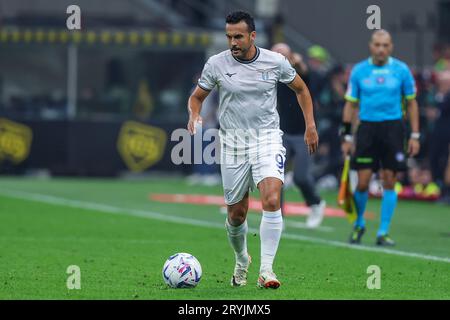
(427, 174)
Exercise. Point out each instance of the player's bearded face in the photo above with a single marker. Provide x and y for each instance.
(239, 39)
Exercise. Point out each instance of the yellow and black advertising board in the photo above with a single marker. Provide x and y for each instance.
(15, 141)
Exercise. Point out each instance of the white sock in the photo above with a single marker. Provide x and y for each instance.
(237, 237)
(270, 233)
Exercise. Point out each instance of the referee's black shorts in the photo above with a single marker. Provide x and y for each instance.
(380, 145)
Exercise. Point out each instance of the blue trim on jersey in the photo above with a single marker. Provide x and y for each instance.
(380, 89)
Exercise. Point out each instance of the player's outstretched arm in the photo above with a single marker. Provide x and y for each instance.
(305, 102)
(413, 112)
(194, 107)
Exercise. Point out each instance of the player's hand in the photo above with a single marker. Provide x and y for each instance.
(296, 59)
(413, 147)
(346, 148)
(194, 121)
(311, 139)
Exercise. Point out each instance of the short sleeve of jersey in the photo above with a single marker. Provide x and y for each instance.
(287, 72)
(408, 84)
(207, 80)
(353, 90)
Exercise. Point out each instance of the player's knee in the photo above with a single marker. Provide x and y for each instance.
(236, 216)
(236, 221)
(389, 184)
(271, 202)
(389, 181)
(362, 186)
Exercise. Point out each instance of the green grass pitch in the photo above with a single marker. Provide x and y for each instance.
(120, 239)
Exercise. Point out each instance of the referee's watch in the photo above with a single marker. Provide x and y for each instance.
(348, 138)
(415, 135)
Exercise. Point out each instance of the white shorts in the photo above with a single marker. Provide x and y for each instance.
(243, 173)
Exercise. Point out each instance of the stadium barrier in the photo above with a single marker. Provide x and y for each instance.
(86, 148)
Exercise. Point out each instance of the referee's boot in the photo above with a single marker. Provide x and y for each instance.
(385, 241)
(356, 235)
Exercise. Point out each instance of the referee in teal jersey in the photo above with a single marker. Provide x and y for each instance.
(379, 85)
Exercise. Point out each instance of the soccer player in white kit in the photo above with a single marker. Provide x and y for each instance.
(252, 153)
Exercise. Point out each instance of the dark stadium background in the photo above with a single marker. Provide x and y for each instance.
(137, 60)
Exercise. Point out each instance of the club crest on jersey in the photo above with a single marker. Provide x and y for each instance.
(381, 80)
(264, 74)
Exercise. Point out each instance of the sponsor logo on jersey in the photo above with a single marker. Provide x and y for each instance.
(381, 71)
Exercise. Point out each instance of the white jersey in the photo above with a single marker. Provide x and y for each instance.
(247, 96)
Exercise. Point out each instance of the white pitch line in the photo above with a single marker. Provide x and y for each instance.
(295, 224)
(177, 219)
(302, 225)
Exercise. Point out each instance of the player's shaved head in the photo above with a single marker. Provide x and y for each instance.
(380, 46)
(381, 33)
(282, 48)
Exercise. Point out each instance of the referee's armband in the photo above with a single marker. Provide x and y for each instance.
(345, 129)
(345, 132)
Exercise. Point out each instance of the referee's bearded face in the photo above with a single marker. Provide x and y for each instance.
(240, 40)
(381, 47)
